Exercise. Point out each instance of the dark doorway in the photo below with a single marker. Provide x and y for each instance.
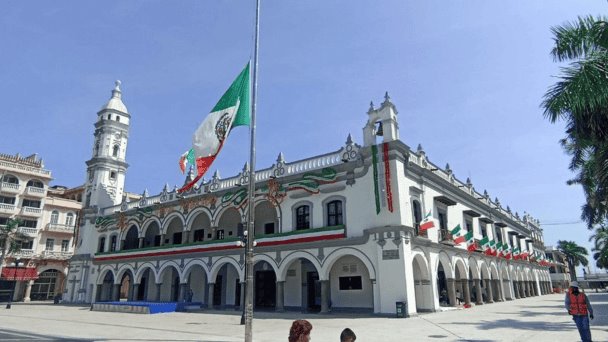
(442, 287)
(314, 292)
(175, 290)
(217, 291)
(265, 289)
(237, 294)
(141, 290)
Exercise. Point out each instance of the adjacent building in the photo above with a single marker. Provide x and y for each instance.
(45, 234)
(335, 232)
(558, 270)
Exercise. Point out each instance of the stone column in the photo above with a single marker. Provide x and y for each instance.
(451, 291)
(162, 239)
(526, 288)
(116, 292)
(98, 293)
(28, 291)
(242, 301)
(516, 290)
(489, 291)
(501, 296)
(157, 296)
(183, 291)
(522, 289)
(134, 292)
(479, 300)
(210, 295)
(324, 296)
(279, 307)
(186, 236)
(467, 292)
(141, 243)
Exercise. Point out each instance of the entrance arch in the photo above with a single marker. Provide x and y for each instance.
(196, 279)
(104, 290)
(46, 286)
(422, 284)
(225, 291)
(169, 284)
(265, 286)
(302, 287)
(350, 285)
(266, 221)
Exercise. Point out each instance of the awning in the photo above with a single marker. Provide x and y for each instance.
(19, 274)
(445, 200)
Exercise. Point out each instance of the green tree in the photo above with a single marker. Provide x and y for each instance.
(575, 255)
(600, 248)
(580, 99)
(10, 239)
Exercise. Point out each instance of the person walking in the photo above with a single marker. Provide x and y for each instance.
(348, 335)
(300, 331)
(579, 307)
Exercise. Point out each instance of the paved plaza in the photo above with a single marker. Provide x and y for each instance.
(531, 319)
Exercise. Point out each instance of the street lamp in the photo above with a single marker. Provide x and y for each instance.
(15, 265)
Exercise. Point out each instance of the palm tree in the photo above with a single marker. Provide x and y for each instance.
(600, 247)
(580, 98)
(10, 239)
(575, 255)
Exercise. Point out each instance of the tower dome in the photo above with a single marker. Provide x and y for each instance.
(115, 102)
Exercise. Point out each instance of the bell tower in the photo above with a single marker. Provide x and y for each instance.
(107, 167)
(381, 122)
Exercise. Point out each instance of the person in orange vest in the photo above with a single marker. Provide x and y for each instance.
(579, 307)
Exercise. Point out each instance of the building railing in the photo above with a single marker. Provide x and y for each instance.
(56, 254)
(59, 228)
(28, 231)
(35, 170)
(31, 190)
(31, 210)
(9, 187)
(24, 253)
(7, 207)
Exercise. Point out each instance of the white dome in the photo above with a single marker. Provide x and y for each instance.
(115, 101)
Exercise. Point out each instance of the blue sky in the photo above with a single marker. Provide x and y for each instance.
(466, 76)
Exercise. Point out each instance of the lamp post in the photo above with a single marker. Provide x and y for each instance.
(16, 264)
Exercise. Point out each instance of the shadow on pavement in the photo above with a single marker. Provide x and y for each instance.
(520, 325)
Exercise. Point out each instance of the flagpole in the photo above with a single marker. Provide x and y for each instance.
(251, 192)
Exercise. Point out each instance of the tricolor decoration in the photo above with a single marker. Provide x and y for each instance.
(382, 179)
(506, 251)
(516, 253)
(457, 235)
(427, 223)
(471, 244)
(232, 110)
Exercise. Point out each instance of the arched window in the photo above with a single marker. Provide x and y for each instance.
(117, 118)
(96, 149)
(113, 243)
(69, 220)
(115, 151)
(34, 183)
(109, 116)
(102, 245)
(54, 217)
(10, 179)
(303, 217)
(334, 213)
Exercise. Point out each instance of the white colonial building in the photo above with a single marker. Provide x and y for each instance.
(335, 232)
(45, 233)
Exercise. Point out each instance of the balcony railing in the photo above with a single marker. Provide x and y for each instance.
(7, 208)
(56, 254)
(31, 211)
(24, 253)
(59, 228)
(30, 190)
(32, 232)
(9, 187)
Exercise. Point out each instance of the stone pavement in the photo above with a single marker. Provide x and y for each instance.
(531, 319)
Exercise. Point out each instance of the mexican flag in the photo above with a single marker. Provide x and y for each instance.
(491, 248)
(457, 235)
(498, 251)
(516, 253)
(485, 244)
(507, 251)
(471, 245)
(427, 223)
(231, 110)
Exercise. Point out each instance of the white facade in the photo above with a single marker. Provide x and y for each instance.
(336, 232)
(46, 231)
